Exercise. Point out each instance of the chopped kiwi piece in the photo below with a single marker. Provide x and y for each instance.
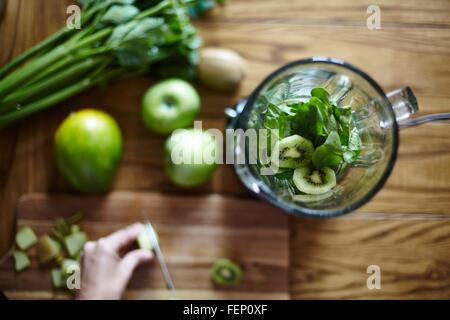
(144, 241)
(226, 272)
(75, 228)
(21, 261)
(74, 243)
(59, 259)
(68, 225)
(62, 226)
(66, 267)
(25, 238)
(58, 236)
(48, 249)
(58, 280)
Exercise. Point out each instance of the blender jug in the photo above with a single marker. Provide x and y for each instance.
(376, 115)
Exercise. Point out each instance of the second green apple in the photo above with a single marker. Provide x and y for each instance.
(169, 105)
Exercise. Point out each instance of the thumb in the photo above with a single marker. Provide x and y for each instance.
(131, 260)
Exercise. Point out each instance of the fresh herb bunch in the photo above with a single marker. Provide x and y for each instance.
(327, 126)
(117, 38)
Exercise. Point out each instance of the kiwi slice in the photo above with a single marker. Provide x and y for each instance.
(226, 272)
(292, 152)
(26, 238)
(314, 181)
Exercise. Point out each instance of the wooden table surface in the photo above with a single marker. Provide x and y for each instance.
(405, 229)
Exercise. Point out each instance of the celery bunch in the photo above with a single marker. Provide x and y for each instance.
(117, 38)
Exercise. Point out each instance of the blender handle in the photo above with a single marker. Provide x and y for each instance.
(419, 120)
(404, 104)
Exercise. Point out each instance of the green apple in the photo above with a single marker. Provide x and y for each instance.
(88, 148)
(169, 105)
(190, 157)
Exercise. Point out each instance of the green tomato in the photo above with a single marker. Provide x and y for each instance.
(190, 157)
(170, 105)
(88, 148)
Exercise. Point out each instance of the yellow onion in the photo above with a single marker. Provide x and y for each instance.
(221, 69)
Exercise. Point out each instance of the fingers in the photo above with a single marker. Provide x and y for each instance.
(89, 246)
(133, 259)
(122, 238)
(88, 249)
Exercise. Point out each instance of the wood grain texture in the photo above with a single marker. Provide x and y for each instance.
(416, 13)
(333, 256)
(329, 257)
(194, 231)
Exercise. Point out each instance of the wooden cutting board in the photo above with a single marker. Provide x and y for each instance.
(194, 231)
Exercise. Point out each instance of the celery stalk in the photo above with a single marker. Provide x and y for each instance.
(43, 88)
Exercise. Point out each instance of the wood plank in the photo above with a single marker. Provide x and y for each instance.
(395, 63)
(333, 256)
(414, 13)
(194, 231)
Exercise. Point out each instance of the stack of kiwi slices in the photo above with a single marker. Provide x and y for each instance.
(316, 139)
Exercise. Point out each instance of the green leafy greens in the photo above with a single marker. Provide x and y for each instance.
(117, 38)
(327, 126)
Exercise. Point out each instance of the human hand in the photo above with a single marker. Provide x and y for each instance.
(104, 273)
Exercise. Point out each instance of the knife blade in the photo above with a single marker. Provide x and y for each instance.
(159, 255)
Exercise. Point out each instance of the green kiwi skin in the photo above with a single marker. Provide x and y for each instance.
(302, 180)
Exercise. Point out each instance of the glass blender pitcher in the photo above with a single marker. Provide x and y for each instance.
(376, 115)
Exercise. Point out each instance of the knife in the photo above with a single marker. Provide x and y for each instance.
(157, 249)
